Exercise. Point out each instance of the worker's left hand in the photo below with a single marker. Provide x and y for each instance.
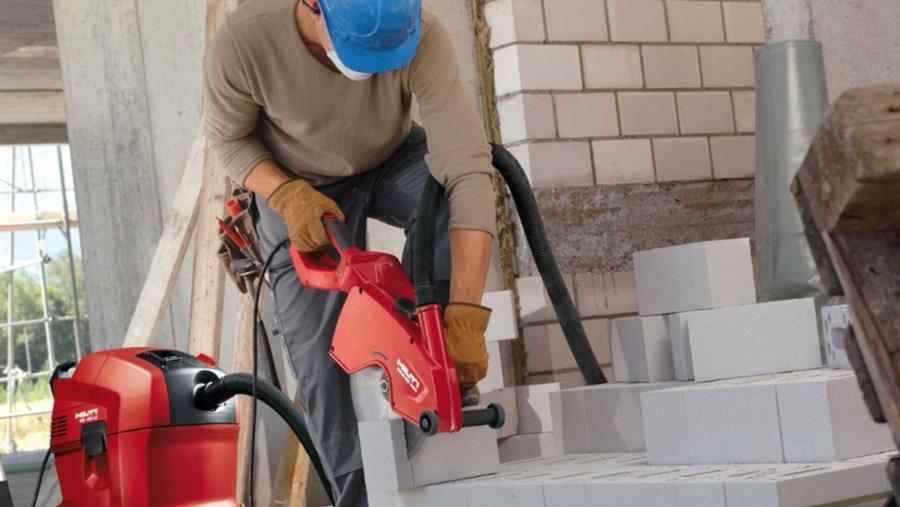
(464, 326)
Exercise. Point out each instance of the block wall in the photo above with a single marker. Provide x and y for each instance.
(600, 92)
(634, 120)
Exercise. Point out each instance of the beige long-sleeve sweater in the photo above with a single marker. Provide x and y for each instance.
(267, 97)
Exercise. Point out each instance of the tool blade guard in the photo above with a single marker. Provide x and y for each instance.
(380, 325)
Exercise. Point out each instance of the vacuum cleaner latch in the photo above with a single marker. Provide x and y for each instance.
(93, 438)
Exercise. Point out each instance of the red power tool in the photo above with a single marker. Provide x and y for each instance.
(382, 335)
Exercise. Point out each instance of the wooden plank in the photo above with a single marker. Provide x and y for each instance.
(242, 362)
(43, 133)
(301, 481)
(32, 107)
(170, 252)
(31, 221)
(208, 288)
(29, 68)
(284, 473)
(851, 173)
(871, 280)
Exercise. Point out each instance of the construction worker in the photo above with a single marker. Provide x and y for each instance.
(308, 104)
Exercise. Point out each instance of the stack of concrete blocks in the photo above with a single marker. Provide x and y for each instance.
(597, 297)
(626, 480)
(798, 417)
(836, 321)
(717, 331)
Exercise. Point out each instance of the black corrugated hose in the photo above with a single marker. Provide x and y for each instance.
(233, 384)
(533, 226)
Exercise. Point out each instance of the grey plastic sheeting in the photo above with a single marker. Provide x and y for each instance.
(791, 100)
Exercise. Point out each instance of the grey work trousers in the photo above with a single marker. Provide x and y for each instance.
(306, 317)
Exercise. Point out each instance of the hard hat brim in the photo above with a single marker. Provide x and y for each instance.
(375, 62)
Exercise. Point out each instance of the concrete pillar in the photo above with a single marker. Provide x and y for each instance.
(132, 79)
(787, 19)
(860, 42)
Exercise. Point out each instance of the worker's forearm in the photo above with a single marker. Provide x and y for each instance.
(265, 178)
(470, 253)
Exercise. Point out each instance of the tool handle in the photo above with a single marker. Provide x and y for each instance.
(337, 232)
(320, 270)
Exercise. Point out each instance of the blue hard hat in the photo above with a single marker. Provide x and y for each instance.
(373, 35)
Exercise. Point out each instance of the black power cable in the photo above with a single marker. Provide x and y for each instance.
(257, 322)
(37, 488)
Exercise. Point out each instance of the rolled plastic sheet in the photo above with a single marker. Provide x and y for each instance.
(791, 100)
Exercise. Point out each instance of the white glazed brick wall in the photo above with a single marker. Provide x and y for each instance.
(599, 92)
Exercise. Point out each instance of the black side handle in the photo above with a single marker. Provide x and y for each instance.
(493, 416)
(338, 230)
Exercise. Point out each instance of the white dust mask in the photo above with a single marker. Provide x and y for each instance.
(346, 71)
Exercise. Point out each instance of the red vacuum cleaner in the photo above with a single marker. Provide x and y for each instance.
(127, 431)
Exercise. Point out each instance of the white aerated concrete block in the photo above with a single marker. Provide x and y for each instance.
(681, 349)
(444, 457)
(641, 349)
(534, 302)
(754, 339)
(806, 416)
(510, 493)
(724, 422)
(438, 495)
(383, 447)
(665, 428)
(533, 445)
(548, 349)
(604, 418)
(569, 420)
(857, 483)
(493, 380)
(825, 419)
(697, 276)
(734, 425)
(566, 380)
(502, 325)
(533, 402)
(506, 398)
(836, 322)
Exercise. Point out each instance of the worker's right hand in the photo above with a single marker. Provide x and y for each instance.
(302, 207)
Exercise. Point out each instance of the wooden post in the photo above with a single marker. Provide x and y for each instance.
(848, 190)
(208, 288)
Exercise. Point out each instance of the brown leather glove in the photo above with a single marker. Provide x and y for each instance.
(302, 206)
(464, 326)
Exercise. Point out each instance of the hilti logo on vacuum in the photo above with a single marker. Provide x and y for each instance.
(407, 375)
(87, 415)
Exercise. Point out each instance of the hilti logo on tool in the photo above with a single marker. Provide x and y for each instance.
(408, 376)
(86, 416)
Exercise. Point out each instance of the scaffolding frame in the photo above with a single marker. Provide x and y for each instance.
(39, 223)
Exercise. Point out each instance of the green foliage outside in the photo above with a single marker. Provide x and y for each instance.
(27, 306)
